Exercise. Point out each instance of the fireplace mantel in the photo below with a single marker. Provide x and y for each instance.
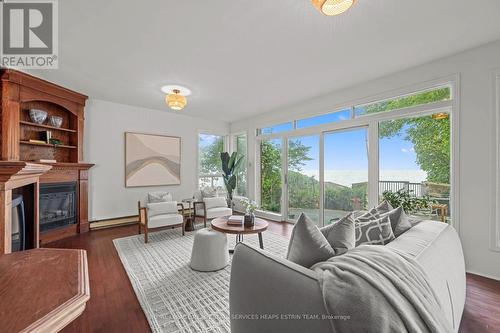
(13, 175)
(20, 141)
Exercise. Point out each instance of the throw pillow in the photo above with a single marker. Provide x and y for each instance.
(376, 212)
(208, 192)
(159, 197)
(399, 221)
(341, 234)
(307, 244)
(160, 208)
(215, 202)
(375, 232)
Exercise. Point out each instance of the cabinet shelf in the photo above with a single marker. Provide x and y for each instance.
(46, 145)
(28, 123)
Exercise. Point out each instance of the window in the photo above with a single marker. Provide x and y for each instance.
(414, 157)
(240, 146)
(270, 175)
(210, 167)
(420, 98)
(324, 119)
(275, 129)
(345, 173)
(303, 177)
(332, 170)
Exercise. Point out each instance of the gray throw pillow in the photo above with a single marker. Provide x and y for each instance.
(376, 212)
(375, 232)
(307, 244)
(341, 234)
(399, 221)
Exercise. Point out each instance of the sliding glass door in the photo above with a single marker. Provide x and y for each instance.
(345, 173)
(303, 186)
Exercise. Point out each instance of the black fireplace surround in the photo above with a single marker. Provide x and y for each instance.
(57, 205)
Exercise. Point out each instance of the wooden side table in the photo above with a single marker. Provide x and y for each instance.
(442, 209)
(220, 224)
(189, 225)
(42, 290)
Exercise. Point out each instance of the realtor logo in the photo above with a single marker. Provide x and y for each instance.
(29, 34)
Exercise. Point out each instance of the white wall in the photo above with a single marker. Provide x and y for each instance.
(477, 138)
(105, 125)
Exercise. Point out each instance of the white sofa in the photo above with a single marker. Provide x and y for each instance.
(263, 284)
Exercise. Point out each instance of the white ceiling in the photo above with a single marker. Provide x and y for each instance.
(242, 58)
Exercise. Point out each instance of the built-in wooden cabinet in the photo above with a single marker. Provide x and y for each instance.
(21, 92)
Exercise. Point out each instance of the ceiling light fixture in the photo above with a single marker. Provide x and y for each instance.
(176, 96)
(333, 7)
(175, 100)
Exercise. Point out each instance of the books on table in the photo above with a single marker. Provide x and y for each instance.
(235, 220)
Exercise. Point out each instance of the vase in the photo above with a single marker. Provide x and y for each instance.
(249, 220)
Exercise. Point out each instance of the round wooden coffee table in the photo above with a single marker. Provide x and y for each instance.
(220, 224)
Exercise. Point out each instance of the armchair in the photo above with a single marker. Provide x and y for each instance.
(160, 215)
(210, 208)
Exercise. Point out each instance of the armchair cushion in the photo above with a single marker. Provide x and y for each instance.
(159, 196)
(218, 212)
(160, 208)
(215, 202)
(164, 220)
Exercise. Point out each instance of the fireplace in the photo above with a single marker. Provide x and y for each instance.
(57, 205)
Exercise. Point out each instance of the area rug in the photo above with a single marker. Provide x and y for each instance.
(173, 296)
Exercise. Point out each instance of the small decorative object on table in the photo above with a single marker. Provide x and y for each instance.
(38, 116)
(55, 121)
(250, 207)
(235, 220)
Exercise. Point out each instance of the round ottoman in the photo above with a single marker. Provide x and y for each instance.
(209, 251)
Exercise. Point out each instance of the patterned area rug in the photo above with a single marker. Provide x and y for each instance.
(173, 296)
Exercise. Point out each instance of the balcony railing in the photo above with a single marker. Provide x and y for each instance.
(415, 189)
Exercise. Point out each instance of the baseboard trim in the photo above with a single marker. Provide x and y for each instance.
(491, 277)
(115, 222)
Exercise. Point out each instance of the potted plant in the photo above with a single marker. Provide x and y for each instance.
(250, 208)
(419, 207)
(230, 164)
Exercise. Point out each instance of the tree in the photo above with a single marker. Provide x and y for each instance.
(430, 137)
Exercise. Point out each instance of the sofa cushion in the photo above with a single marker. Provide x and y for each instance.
(375, 232)
(307, 244)
(160, 208)
(159, 196)
(218, 212)
(164, 220)
(341, 234)
(215, 202)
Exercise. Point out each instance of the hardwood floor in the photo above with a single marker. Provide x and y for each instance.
(113, 306)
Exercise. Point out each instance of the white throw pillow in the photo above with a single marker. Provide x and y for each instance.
(160, 208)
(159, 196)
(215, 202)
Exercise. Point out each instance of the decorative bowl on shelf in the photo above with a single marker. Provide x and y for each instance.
(38, 116)
(55, 121)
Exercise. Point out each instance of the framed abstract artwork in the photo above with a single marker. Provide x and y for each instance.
(152, 160)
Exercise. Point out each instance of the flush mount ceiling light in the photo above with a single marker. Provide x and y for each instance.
(333, 7)
(176, 96)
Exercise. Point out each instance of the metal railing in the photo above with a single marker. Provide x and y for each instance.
(415, 189)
